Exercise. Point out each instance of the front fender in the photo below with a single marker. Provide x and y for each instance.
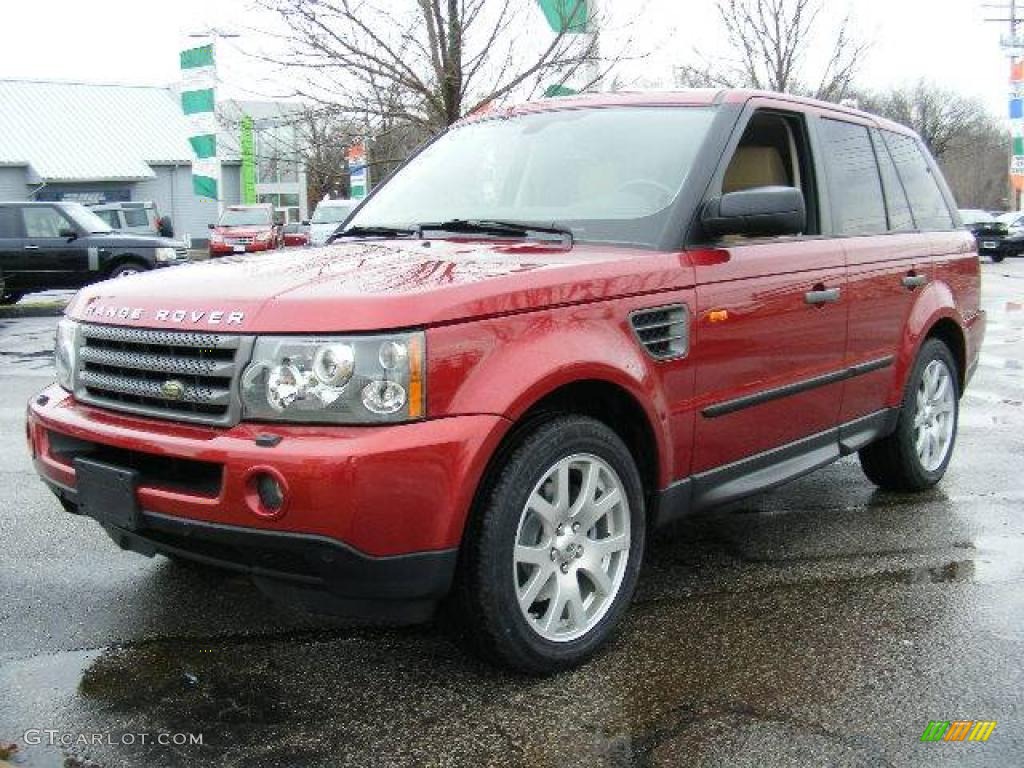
(506, 365)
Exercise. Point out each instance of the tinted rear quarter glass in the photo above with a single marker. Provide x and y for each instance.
(923, 191)
(855, 189)
(9, 223)
(135, 217)
(900, 219)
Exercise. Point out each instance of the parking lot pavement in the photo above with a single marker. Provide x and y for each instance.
(825, 623)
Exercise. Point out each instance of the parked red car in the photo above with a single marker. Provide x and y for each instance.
(558, 327)
(295, 234)
(245, 229)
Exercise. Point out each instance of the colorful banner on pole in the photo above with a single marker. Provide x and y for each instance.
(569, 16)
(247, 145)
(199, 102)
(358, 172)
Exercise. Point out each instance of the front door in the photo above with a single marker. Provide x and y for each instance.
(50, 259)
(770, 332)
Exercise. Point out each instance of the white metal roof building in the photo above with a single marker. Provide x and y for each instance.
(111, 143)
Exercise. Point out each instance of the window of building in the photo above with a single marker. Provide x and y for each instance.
(43, 221)
(855, 189)
(923, 192)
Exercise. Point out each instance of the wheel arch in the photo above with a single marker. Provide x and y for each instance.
(934, 315)
(602, 399)
(125, 258)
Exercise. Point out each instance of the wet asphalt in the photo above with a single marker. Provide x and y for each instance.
(825, 623)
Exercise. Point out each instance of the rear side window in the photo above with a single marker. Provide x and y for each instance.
(135, 217)
(853, 182)
(896, 203)
(110, 217)
(9, 223)
(923, 192)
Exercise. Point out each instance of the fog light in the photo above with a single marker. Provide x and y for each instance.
(270, 492)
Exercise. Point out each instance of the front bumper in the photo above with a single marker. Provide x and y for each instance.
(257, 246)
(372, 513)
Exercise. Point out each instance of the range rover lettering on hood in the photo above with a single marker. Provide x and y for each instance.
(183, 316)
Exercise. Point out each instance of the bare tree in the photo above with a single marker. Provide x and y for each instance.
(943, 118)
(425, 63)
(768, 42)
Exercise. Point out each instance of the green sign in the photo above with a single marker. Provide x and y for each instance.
(248, 147)
(568, 16)
(558, 90)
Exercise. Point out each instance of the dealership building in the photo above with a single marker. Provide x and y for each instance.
(116, 143)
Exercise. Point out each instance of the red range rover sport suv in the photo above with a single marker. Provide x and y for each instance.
(557, 327)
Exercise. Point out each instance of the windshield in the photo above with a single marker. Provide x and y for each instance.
(86, 219)
(245, 217)
(606, 174)
(332, 214)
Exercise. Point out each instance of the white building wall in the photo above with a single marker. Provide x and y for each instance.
(13, 184)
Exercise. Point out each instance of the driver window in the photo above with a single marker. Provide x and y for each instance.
(43, 222)
(772, 152)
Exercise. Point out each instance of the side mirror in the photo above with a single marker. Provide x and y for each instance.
(305, 223)
(211, 226)
(68, 233)
(758, 212)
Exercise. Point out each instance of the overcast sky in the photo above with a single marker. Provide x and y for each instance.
(136, 41)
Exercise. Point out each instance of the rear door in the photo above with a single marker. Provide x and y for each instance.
(51, 260)
(771, 314)
(888, 251)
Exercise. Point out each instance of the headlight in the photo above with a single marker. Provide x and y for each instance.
(65, 352)
(340, 380)
(166, 254)
(263, 237)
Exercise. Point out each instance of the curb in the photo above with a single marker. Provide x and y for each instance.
(55, 309)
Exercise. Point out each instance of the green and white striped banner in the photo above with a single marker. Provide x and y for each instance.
(199, 103)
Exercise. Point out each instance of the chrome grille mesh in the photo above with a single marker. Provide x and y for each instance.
(180, 375)
(663, 331)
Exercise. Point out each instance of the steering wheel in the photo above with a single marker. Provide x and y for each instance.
(661, 194)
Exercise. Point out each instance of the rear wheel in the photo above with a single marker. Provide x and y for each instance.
(915, 456)
(12, 297)
(996, 258)
(551, 563)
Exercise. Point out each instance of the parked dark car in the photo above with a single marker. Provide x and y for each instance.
(994, 238)
(65, 245)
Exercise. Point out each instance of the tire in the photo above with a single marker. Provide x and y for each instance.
(510, 549)
(128, 268)
(997, 259)
(13, 297)
(895, 462)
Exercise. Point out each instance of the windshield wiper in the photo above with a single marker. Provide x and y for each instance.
(498, 228)
(372, 232)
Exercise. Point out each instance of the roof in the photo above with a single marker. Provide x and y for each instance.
(680, 97)
(84, 132)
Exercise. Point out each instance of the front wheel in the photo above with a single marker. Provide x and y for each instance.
(12, 297)
(551, 562)
(996, 259)
(127, 269)
(915, 456)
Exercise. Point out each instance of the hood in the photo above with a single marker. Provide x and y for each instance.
(122, 239)
(369, 286)
(249, 231)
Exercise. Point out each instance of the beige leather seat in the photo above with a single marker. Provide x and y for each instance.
(754, 166)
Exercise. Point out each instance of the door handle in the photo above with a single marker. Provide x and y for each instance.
(913, 281)
(822, 296)
(31, 247)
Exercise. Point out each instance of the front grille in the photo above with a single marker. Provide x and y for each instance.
(238, 240)
(180, 375)
(663, 331)
(181, 253)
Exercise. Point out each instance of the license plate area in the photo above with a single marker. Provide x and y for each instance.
(238, 249)
(989, 244)
(107, 493)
